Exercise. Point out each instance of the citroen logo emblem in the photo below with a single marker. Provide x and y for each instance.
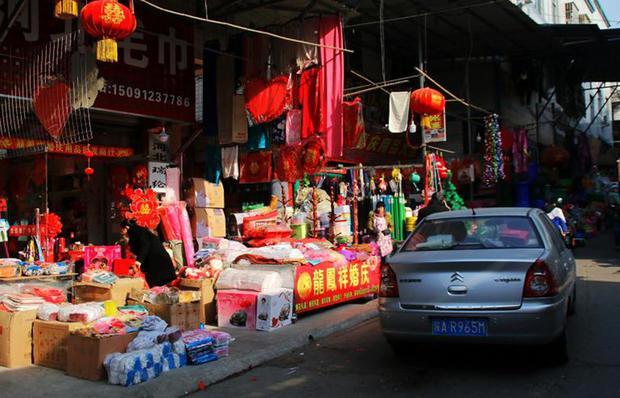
(457, 277)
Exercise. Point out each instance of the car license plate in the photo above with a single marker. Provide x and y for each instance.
(459, 327)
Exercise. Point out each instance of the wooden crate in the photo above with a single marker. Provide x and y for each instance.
(207, 297)
(186, 315)
(50, 340)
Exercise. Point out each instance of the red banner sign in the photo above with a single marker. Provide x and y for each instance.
(155, 73)
(24, 230)
(325, 284)
(67, 149)
(3, 205)
(376, 148)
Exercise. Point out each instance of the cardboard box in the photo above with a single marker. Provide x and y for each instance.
(274, 309)
(51, 340)
(207, 297)
(209, 222)
(118, 291)
(16, 338)
(235, 131)
(100, 257)
(85, 355)
(237, 309)
(186, 316)
(205, 194)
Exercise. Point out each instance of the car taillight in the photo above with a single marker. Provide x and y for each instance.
(539, 281)
(389, 284)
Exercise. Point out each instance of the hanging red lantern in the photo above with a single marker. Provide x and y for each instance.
(66, 9)
(88, 153)
(108, 21)
(427, 101)
(89, 171)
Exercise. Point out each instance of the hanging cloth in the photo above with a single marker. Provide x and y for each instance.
(399, 111)
(293, 127)
(309, 99)
(255, 167)
(258, 137)
(289, 166)
(230, 162)
(331, 83)
(353, 123)
(266, 100)
(213, 164)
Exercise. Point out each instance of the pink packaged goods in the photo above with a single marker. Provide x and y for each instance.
(100, 257)
(236, 308)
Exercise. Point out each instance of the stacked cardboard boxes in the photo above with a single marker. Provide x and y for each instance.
(207, 201)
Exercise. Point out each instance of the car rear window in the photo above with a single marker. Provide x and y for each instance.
(497, 232)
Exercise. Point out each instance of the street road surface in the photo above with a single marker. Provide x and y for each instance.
(359, 363)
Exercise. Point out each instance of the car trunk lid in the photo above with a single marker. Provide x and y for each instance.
(484, 279)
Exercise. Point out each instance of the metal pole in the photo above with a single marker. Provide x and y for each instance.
(469, 132)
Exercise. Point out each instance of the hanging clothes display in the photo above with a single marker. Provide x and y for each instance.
(255, 167)
(399, 111)
(266, 100)
(332, 83)
(213, 164)
(309, 98)
(258, 137)
(520, 154)
(293, 127)
(277, 131)
(230, 162)
(353, 122)
(289, 166)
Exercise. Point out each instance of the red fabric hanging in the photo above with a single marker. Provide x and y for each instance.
(266, 100)
(255, 167)
(309, 98)
(313, 155)
(289, 164)
(353, 122)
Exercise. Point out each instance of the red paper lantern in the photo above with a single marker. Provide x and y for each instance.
(89, 154)
(89, 171)
(108, 21)
(427, 101)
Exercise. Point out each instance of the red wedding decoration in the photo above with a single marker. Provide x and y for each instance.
(255, 167)
(51, 225)
(289, 163)
(266, 100)
(52, 107)
(427, 101)
(313, 155)
(143, 208)
(108, 21)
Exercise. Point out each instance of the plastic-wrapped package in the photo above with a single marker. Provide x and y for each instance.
(86, 312)
(139, 366)
(48, 312)
(258, 281)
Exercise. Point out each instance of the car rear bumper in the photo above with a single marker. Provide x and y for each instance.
(535, 322)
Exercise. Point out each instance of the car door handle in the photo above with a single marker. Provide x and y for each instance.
(457, 289)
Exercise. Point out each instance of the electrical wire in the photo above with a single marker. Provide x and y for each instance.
(244, 28)
(382, 38)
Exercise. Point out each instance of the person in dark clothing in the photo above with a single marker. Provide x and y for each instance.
(437, 204)
(151, 256)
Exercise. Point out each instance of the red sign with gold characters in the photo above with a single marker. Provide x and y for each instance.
(326, 284)
(67, 149)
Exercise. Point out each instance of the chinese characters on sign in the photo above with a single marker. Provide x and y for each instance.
(158, 151)
(167, 90)
(326, 284)
(437, 130)
(157, 176)
(66, 149)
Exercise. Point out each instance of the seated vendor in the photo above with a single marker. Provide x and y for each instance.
(380, 225)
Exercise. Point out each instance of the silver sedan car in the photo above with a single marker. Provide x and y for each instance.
(496, 275)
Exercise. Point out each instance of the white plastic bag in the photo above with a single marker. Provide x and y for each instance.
(255, 280)
(48, 312)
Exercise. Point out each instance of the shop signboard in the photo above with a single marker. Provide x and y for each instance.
(436, 130)
(157, 176)
(327, 284)
(376, 148)
(66, 149)
(25, 230)
(154, 76)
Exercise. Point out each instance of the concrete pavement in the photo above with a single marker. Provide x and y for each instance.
(358, 362)
(251, 349)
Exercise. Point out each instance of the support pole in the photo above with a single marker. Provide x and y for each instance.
(469, 130)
